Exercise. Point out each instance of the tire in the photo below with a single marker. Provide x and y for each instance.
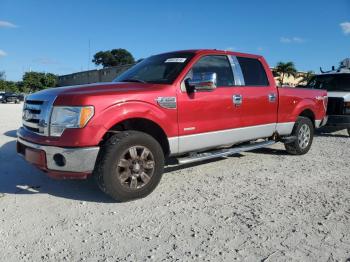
(349, 131)
(304, 131)
(125, 170)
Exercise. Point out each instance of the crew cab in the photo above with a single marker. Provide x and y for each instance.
(337, 83)
(177, 107)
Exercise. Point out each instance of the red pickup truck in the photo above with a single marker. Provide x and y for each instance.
(185, 106)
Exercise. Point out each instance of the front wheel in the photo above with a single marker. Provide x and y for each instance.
(304, 132)
(130, 165)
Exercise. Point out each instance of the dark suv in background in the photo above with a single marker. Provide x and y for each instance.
(10, 98)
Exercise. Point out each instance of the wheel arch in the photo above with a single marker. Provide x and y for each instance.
(143, 125)
(308, 113)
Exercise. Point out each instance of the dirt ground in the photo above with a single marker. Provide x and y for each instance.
(257, 206)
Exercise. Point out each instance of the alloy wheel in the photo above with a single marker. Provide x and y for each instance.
(135, 167)
(304, 136)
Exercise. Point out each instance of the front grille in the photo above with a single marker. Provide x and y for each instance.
(335, 106)
(33, 116)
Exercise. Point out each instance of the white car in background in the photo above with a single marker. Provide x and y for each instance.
(337, 83)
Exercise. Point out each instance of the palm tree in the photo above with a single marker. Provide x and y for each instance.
(306, 77)
(285, 70)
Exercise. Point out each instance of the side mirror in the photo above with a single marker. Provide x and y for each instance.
(201, 82)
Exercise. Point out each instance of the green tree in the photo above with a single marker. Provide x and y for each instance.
(305, 77)
(9, 86)
(114, 57)
(284, 70)
(35, 81)
(3, 85)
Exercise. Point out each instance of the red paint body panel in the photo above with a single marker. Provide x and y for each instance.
(206, 111)
(293, 101)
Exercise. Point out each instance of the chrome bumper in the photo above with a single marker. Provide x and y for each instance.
(76, 159)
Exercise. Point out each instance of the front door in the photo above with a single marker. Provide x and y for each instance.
(206, 118)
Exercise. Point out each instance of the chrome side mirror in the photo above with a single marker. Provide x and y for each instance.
(202, 82)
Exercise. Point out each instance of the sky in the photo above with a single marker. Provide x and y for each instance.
(54, 36)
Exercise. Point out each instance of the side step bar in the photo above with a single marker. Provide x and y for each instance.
(222, 152)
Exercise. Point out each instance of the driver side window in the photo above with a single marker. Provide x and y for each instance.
(218, 64)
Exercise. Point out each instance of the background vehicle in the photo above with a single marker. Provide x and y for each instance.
(184, 106)
(337, 83)
(10, 98)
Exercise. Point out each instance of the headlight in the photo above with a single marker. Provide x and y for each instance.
(64, 117)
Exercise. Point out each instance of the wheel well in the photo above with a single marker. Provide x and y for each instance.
(309, 114)
(142, 125)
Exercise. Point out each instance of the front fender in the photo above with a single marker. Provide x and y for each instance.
(165, 118)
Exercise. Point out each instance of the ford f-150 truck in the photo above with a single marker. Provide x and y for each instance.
(181, 107)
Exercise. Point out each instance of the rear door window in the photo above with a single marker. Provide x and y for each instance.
(253, 72)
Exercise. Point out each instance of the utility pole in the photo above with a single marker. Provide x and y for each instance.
(88, 67)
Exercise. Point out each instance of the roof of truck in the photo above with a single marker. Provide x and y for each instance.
(214, 51)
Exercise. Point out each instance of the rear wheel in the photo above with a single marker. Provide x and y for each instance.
(304, 132)
(130, 165)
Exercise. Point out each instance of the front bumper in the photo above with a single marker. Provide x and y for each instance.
(59, 162)
(341, 121)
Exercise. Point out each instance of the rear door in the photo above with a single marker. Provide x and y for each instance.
(259, 98)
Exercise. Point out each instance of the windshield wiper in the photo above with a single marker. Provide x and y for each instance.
(134, 80)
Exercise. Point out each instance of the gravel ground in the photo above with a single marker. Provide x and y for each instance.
(258, 206)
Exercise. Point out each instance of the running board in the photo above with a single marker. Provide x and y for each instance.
(222, 152)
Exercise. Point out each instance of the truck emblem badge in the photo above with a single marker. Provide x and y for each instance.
(167, 102)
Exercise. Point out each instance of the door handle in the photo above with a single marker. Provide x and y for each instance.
(237, 100)
(272, 97)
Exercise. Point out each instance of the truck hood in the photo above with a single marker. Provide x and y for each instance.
(94, 89)
(345, 95)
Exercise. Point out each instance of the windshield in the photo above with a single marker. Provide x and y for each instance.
(331, 82)
(158, 69)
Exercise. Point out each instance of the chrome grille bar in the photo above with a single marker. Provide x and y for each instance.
(32, 107)
(36, 114)
(30, 124)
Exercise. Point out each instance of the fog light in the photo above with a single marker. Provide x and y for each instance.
(59, 159)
